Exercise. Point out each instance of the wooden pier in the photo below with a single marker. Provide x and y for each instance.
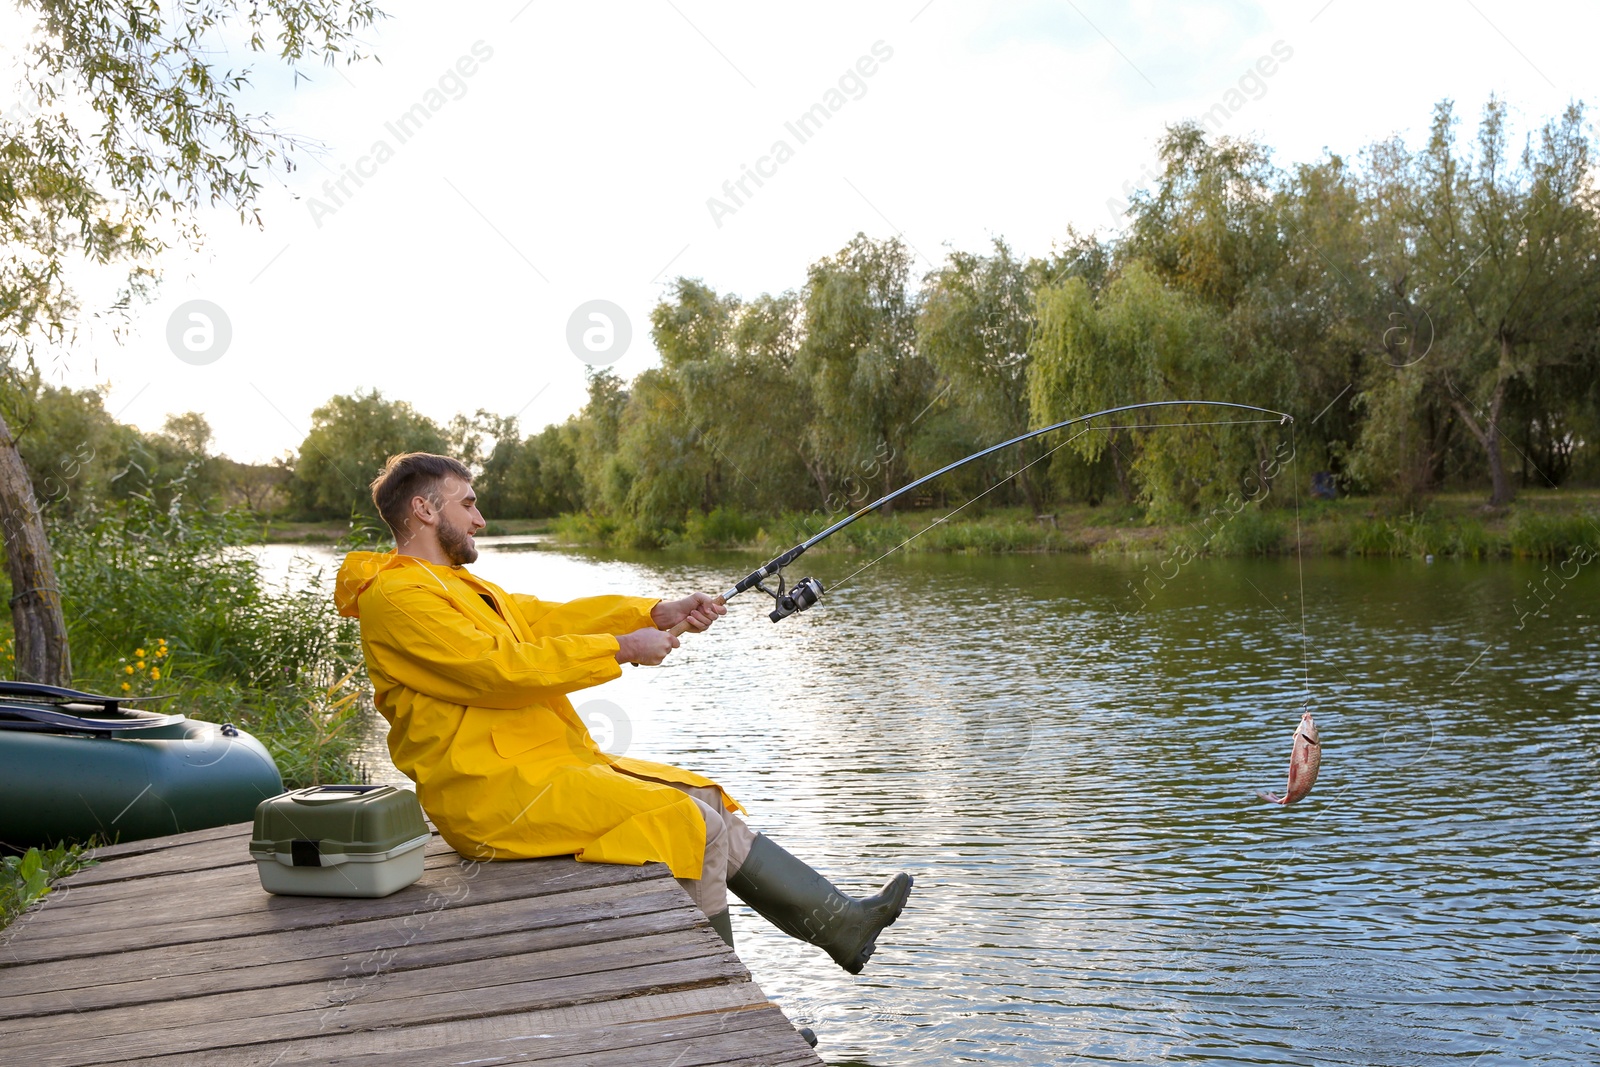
(168, 952)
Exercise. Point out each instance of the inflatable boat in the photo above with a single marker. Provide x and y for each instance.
(76, 764)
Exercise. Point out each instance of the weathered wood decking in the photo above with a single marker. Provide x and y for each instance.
(169, 952)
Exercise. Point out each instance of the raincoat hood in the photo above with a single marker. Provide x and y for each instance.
(356, 573)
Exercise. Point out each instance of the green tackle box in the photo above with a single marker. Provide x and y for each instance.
(339, 841)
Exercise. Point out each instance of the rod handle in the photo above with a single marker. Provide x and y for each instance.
(683, 627)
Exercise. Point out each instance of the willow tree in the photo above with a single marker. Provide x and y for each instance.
(127, 129)
(1215, 230)
(1497, 251)
(1137, 340)
(860, 359)
(685, 420)
(974, 325)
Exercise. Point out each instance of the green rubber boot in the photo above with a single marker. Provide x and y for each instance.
(722, 923)
(805, 905)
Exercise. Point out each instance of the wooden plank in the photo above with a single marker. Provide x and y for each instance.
(86, 1046)
(213, 961)
(157, 844)
(655, 1009)
(760, 1030)
(207, 854)
(766, 1046)
(222, 912)
(195, 885)
(244, 830)
(754, 1048)
(193, 856)
(582, 927)
(198, 896)
(439, 889)
(168, 952)
(447, 968)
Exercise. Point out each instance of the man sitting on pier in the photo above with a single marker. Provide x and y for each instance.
(474, 681)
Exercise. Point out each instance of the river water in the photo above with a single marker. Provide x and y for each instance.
(1069, 769)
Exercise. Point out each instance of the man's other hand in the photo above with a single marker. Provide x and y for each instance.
(645, 646)
(699, 610)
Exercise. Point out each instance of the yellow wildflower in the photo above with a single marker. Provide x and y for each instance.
(138, 653)
(128, 669)
(126, 687)
(155, 673)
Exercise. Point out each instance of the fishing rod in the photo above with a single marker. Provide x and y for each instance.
(790, 600)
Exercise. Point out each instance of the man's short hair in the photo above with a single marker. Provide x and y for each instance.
(408, 475)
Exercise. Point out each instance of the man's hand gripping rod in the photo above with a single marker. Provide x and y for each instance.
(807, 591)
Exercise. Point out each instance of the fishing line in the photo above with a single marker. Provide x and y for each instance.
(807, 591)
(1047, 455)
(974, 500)
(1300, 562)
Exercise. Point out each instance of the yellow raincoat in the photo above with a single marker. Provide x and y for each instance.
(473, 682)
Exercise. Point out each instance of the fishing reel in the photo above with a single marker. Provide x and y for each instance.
(797, 598)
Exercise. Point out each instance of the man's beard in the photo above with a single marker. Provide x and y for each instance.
(456, 544)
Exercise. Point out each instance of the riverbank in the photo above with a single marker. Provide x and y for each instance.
(283, 531)
(1549, 524)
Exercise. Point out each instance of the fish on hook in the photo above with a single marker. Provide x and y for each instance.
(1304, 760)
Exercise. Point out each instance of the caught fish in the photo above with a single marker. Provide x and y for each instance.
(1304, 759)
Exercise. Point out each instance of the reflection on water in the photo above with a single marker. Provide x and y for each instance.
(1069, 770)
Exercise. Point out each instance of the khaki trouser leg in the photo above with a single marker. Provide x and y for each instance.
(728, 840)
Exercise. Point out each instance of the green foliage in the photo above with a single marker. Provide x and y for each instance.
(1141, 340)
(1488, 263)
(974, 325)
(73, 449)
(78, 456)
(1252, 532)
(533, 477)
(1541, 536)
(719, 528)
(241, 650)
(350, 440)
(915, 531)
(1324, 289)
(130, 129)
(25, 880)
(860, 359)
(1419, 535)
(735, 404)
(668, 472)
(590, 528)
(1470, 540)
(1373, 537)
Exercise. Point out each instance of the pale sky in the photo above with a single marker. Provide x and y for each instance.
(576, 160)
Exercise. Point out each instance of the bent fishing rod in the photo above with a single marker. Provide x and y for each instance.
(790, 600)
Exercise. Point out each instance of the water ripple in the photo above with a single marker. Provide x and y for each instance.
(1070, 774)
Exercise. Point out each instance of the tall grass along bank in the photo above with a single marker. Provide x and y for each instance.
(1542, 526)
